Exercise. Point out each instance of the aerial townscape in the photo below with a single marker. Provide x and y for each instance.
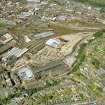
(52, 52)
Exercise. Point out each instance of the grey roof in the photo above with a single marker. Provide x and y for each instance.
(15, 51)
(44, 34)
(25, 73)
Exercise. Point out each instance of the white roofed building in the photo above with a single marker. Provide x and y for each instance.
(6, 38)
(27, 39)
(25, 73)
(44, 34)
(37, 1)
(53, 43)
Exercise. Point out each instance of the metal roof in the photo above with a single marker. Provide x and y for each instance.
(15, 51)
(53, 42)
(25, 73)
(44, 34)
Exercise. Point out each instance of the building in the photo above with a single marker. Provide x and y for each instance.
(36, 1)
(14, 52)
(44, 34)
(27, 39)
(25, 73)
(53, 43)
(5, 47)
(6, 38)
(24, 15)
(62, 18)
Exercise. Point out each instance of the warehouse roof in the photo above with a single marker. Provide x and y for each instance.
(25, 73)
(15, 51)
(44, 34)
(53, 43)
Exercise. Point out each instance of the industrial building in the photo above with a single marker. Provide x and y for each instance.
(36, 1)
(25, 73)
(44, 34)
(14, 52)
(53, 43)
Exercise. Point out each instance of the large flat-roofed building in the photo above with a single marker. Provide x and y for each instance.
(14, 52)
(25, 73)
(44, 34)
(36, 1)
(53, 43)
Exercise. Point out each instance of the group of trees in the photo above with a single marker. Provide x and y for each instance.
(81, 53)
(99, 33)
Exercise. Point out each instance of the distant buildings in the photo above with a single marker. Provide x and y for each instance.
(53, 43)
(25, 73)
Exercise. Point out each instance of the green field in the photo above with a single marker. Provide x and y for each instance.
(94, 2)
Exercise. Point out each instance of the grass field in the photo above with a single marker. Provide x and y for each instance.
(94, 2)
